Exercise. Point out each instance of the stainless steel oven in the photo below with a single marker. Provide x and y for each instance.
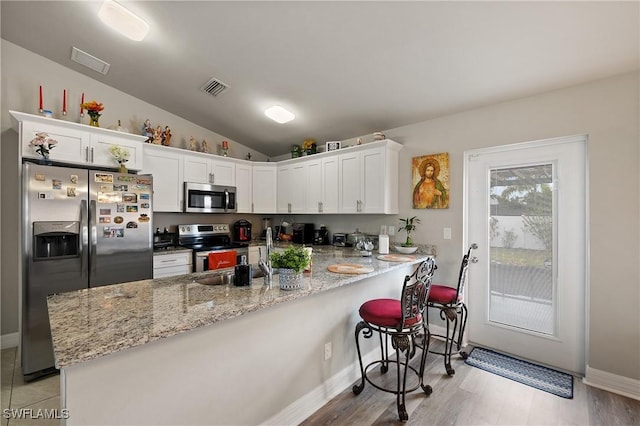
(204, 239)
(205, 198)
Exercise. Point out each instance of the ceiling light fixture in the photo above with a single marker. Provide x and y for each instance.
(123, 20)
(279, 114)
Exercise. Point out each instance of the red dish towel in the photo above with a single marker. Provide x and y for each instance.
(222, 259)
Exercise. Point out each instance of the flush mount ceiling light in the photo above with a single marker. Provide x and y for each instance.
(123, 20)
(279, 114)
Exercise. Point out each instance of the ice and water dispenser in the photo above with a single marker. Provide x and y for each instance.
(56, 240)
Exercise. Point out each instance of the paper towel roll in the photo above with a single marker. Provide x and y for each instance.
(383, 244)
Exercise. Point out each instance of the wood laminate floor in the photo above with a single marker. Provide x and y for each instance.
(476, 397)
(471, 397)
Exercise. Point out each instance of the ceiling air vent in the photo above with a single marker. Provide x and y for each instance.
(89, 61)
(214, 87)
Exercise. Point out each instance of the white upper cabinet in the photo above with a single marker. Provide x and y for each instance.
(100, 145)
(202, 168)
(244, 188)
(368, 179)
(314, 184)
(292, 190)
(165, 164)
(330, 185)
(265, 187)
(78, 143)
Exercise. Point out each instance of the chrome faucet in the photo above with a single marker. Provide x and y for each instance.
(265, 266)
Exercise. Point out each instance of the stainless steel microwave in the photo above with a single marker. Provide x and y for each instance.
(205, 198)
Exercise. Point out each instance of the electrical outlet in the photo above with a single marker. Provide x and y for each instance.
(391, 229)
(447, 233)
(327, 351)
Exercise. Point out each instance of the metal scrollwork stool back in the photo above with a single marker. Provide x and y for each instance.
(403, 321)
(450, 302)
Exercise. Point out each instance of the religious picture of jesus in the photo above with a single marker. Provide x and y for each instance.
(430, 180)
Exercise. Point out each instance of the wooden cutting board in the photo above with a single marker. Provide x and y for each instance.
(396, 258)
(350, 268)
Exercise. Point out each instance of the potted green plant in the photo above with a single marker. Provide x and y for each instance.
(408, 225)
(290, 263)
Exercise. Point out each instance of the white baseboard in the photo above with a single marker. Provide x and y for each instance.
(10, 340)
(301, 409)
(612, 382)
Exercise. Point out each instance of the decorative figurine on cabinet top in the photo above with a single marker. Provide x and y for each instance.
(205, 146)
(193, 144)
(147, 130)
(166, 136)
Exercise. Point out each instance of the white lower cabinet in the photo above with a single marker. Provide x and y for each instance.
(171, 264)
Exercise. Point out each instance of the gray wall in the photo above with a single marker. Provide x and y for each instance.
(606, 110)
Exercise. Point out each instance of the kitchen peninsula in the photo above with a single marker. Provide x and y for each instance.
(174, 351)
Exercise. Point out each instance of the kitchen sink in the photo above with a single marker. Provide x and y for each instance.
(220, 279)
(225, 279)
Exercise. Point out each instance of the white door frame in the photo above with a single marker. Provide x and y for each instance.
(581, 360)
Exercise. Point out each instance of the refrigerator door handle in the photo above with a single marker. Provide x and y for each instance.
(94, 235)
(84, 232)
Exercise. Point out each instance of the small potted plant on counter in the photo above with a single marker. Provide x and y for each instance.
(408, 225)
(290, 264)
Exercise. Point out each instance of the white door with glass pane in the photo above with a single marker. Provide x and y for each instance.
(526, 208)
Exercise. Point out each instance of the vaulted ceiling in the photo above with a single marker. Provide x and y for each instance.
(345, 69)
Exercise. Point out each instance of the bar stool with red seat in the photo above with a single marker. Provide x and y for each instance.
(450, 302)
(403, 320)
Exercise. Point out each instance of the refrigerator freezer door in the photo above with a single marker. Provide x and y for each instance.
(53, 252)
(121, 235)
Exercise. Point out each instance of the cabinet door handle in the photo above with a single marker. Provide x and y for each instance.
(169, 261)
(289, 207)
(319, 207)
(92, 155)
(252, 208)
(86, 154)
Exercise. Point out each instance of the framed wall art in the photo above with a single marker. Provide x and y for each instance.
(333, 145)
(430, 181)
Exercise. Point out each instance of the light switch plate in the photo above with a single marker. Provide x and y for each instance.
(447, 233)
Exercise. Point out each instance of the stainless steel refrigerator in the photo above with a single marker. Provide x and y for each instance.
(81, 228)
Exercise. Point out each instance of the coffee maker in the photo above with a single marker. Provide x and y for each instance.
(242, 231)
(321, 236)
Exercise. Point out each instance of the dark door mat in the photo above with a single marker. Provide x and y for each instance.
(536, 376)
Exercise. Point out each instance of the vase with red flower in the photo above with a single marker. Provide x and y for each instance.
(93, 110)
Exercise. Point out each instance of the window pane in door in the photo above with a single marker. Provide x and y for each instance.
(521, 284)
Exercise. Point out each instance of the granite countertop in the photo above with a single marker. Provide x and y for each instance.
(90, 323)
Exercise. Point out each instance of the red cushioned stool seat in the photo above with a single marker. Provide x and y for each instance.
(402, 322)
(385, 313)
(442, 294)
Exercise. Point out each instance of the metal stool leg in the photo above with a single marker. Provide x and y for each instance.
(357, 388)
(463, 326)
